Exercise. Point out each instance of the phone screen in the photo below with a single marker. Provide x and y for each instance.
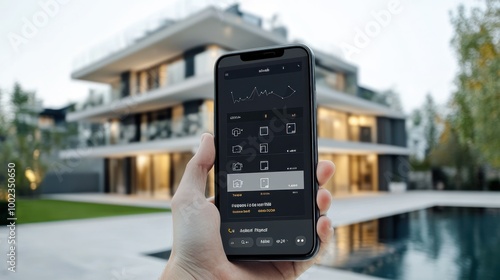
(265, 134)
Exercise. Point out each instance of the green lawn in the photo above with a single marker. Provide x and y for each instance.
(45, 210)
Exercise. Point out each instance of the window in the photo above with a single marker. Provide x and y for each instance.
(362, 129)
(153, 78)
(332, 124)
(204, 62)
(175, 72)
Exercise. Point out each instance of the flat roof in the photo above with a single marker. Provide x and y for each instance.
(209, 26)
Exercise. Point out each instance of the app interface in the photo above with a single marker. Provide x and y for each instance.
(265, 158)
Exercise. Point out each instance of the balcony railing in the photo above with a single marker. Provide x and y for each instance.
(116, 134)
(144, 28)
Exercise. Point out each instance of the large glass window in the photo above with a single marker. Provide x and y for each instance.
(363, 172)
(116, 175)
(354, 173)
(339, 184)
(175, 72)
(179, 161)
(341, 126)
(159, 126)
(142, 177)
(332, 124)
(161, 176)
(153, 78)
(362, 129)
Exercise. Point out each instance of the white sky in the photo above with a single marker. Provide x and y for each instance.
(412, 54)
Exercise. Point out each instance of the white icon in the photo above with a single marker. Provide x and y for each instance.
(237, 184)
(263, 130)
(264, 165)
(291, 128)
(264, 148)
(237, 149)
(300, 240)
(236, 131)
(237, 166)
(264, 183)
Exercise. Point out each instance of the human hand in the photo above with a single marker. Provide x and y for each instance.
(197, 251)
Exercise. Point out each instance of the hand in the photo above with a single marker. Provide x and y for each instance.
(197, 251)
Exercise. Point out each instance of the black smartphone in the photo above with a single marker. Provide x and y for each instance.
(266, 153)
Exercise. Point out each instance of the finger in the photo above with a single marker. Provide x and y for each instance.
(324, 200)
(325, 233)
(195, 175)
(325, 171)
(325, 230)
(211, 199)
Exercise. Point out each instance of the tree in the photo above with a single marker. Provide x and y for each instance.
(22, 143)
(450, 151)
(390, 98)
(423, 128)
(429, 111)
(476, 102)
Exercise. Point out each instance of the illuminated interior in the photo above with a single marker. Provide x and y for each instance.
(346, 127)
(354, 173)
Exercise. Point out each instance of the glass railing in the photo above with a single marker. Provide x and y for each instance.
(204, 65)
(102, 134)
(154, 23)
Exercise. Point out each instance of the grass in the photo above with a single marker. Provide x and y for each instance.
(46, 210)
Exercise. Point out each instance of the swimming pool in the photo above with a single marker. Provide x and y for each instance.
(434, 243)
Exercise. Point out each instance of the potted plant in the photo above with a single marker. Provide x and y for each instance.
(397, 185)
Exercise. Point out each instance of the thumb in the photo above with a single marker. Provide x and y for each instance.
(195, 176)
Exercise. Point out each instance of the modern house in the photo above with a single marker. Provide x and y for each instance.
(161, 100)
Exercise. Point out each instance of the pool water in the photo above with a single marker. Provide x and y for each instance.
(435, 243)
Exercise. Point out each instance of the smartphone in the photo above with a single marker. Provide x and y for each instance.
(266, 153)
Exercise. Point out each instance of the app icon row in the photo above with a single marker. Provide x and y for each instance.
(291, 128)
(238, 166)
(263, 148)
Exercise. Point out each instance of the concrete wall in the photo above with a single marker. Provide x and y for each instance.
(67, 171)
(392, 168)
(70, 183)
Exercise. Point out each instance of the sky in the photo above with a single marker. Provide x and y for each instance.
(406, 48)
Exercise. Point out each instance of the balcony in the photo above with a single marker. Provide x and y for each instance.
(168, 36)
(139, 31)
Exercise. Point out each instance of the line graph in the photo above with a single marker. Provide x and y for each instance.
(289, 91)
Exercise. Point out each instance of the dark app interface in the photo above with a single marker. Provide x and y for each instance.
(265, 158)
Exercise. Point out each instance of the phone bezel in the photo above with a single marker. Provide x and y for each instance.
(314, 149)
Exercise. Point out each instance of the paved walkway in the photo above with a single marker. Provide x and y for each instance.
(118, 199)
(115, 247)
(349, 210)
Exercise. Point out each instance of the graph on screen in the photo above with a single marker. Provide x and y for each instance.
(289, 91)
